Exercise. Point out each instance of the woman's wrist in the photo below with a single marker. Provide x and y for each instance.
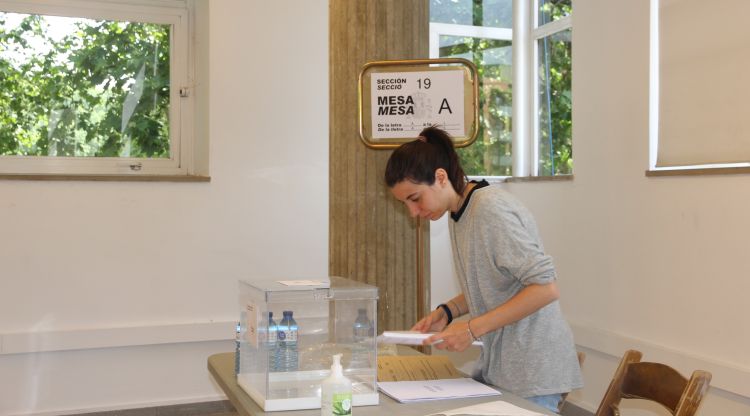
(447, 312)
(459, 312)
(474, 336)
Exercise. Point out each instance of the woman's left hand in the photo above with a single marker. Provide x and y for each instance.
(455, 337)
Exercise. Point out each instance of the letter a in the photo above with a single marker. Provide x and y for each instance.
(445, 106)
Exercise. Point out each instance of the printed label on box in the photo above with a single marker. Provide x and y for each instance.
(251, 335)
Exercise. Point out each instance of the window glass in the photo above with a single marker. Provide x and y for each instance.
(490, 154)
(459, 29)
(487, 13)
(551, 10)
(555, 105)
(77, 87)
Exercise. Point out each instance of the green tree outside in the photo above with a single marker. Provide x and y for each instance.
(101, 90)
(491, 153)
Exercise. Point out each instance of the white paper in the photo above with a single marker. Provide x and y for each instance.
(403, 103)
(408, 338)
(496, 408)
(451, 388)
(302, 282)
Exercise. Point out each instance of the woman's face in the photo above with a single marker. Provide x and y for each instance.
(425, 201)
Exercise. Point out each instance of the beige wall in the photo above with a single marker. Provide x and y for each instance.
(149, 270)
(659, 264)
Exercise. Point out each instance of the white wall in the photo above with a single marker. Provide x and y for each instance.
(135, 283)
(658, 264)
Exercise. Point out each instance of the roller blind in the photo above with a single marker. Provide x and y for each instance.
(704, 88)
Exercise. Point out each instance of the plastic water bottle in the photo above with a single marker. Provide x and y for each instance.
(272, 332)
(363, 332)
(287, 343)
(237, 350)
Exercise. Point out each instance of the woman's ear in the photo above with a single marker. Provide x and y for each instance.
(441, 176)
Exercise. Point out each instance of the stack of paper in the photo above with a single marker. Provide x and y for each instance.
(408, 338)
(453, 388)
(496, 408)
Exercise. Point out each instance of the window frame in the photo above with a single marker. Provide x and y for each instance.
(538, 33)
(524, 37)
(179, 14)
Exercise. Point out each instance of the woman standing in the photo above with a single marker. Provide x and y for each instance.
(507, 281)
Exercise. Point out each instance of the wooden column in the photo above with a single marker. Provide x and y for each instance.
(372, 239)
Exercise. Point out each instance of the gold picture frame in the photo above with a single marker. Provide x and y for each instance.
(470, 98)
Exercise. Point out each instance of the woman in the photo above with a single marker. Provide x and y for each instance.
(507, 281)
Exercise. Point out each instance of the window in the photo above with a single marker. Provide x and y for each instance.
(517, 142)
(98, 87)
(697, 101)
(552, 35)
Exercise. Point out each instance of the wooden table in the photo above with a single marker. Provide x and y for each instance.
(221, 367)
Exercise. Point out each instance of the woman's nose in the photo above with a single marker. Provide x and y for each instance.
(413, 209)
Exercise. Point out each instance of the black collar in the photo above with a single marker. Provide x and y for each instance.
(477, 184)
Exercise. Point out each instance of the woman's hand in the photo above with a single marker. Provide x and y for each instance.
(435, 321)
(454, 338)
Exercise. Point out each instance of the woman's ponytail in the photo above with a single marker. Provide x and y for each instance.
(418, 160)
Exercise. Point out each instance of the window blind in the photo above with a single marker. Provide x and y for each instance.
(704, 58)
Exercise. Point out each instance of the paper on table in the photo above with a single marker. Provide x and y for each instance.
(302, 282)
(408, 337)
(451, 388)
(416, 367)
(496, 408)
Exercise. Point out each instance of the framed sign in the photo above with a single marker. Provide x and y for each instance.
(397, 99)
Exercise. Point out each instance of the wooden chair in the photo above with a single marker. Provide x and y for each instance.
(581, 359)
(654, 381)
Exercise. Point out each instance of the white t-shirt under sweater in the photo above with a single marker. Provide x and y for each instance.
(497, 251)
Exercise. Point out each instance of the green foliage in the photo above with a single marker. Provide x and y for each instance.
(100, 91)
(491, 153)
(490, 13)
(555, 98)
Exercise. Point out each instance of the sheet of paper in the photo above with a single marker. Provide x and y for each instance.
(416, 367)
(302, 282)
(408, 337)
(496, 408)
(412, 391)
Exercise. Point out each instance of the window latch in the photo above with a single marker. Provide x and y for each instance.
(184, 92)
(136, 166)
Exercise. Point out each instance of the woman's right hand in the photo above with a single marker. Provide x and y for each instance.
(436, 321)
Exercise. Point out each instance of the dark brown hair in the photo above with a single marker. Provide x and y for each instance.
(418, 160)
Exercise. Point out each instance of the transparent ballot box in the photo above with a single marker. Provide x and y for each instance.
(289, 332)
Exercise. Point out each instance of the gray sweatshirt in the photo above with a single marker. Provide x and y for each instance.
(497, 251)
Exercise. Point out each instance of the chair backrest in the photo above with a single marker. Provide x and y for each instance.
(654, 381)
(581, 359)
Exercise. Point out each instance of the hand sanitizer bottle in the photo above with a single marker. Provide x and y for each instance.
(336, 392)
